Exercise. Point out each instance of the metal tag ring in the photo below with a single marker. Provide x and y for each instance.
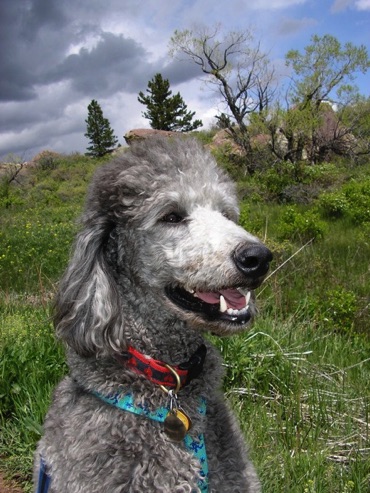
(178, 380)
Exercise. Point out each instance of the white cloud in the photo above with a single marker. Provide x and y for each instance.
(274, 4)
(340, 5)
(362, 4)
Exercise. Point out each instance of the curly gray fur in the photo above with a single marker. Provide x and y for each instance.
(113, 294)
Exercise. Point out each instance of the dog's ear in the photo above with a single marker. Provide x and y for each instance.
(86, 312)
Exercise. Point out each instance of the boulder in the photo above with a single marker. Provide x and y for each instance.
(145, 133)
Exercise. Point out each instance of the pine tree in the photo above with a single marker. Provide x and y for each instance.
(102, 138)
(164, 111)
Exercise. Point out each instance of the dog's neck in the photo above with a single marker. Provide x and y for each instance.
(172, 342)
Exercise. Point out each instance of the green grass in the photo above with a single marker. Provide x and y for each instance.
(300, 396)
(299, 380)
(31, 363)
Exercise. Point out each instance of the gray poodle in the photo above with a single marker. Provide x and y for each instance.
(159, 261)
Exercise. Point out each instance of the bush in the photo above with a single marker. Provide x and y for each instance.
(334, 205)
(341, 310)
(299, 193)
(47, 160)
(277, 179)
(335, 310)
(302, 226)
(352, 201)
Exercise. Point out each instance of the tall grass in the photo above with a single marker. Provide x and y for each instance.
(299, 379)
(31, 364)
(300, 396)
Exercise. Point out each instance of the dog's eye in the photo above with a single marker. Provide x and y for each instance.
(228, 216)
(231, 215)
(173, 218)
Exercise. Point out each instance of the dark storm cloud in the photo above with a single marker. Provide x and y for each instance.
(115, 64)
(41, 13)
(36, 39)
(15, 80)
(179, 71)
(17, 116)
(34, 36)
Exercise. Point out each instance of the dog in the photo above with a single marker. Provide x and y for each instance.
(159, 261)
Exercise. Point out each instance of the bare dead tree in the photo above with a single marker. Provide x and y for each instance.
(237, 69)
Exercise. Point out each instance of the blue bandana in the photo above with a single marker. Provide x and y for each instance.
(195, 445)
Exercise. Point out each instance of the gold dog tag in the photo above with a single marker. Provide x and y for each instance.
(176, 425)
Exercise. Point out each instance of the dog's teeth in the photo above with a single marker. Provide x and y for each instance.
(223, 305)
(247, 298)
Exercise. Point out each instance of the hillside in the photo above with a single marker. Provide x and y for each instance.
(298, 379)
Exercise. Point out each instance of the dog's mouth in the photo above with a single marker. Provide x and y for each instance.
(230, 305)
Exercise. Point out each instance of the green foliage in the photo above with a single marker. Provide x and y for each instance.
(339, 309)
(9, 175)
(351, 201)
(166, 112)
(322, 74)
(102, 138)
(297, 183)
(304, 226)
(252, 219)
(205, 136)
(324, 66)
(359, 113)
(277, 179)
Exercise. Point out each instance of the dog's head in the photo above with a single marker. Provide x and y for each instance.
(160, 239)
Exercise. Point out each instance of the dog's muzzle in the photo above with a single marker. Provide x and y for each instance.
(230, 303)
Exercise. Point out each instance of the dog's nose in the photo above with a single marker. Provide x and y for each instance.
(253, 260)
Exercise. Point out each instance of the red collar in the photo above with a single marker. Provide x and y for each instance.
(160, 373)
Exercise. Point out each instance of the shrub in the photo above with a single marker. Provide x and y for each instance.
(303, 226)
(341, 309)
(47, 160)
(276, 179)
(299, 193)
(335, 310)
(352, 201)
(334, 204)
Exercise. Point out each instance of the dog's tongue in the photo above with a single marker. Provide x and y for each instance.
(234, 299)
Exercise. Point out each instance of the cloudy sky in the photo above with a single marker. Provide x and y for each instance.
(58, 55)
